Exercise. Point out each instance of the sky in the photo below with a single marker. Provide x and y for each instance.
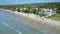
(10, 2)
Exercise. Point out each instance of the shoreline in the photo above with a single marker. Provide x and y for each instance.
(45, 26)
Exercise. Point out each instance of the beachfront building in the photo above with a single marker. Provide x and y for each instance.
(21, 9)
(35, 8)
(47, 12)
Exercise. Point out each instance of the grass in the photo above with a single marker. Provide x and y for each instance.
(56, 17)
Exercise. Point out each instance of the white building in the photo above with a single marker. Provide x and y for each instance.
(47, 11)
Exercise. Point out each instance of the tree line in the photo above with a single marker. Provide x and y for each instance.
(31, 6)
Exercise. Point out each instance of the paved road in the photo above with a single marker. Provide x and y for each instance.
(10, 25)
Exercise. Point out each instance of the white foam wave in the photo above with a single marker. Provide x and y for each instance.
(11, 27)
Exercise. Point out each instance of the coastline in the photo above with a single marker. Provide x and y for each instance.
(46, 26)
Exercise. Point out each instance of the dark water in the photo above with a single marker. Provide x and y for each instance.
(10, 25)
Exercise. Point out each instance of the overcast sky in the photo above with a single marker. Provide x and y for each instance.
(8, 2)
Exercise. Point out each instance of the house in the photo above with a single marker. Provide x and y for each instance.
(47, 12)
